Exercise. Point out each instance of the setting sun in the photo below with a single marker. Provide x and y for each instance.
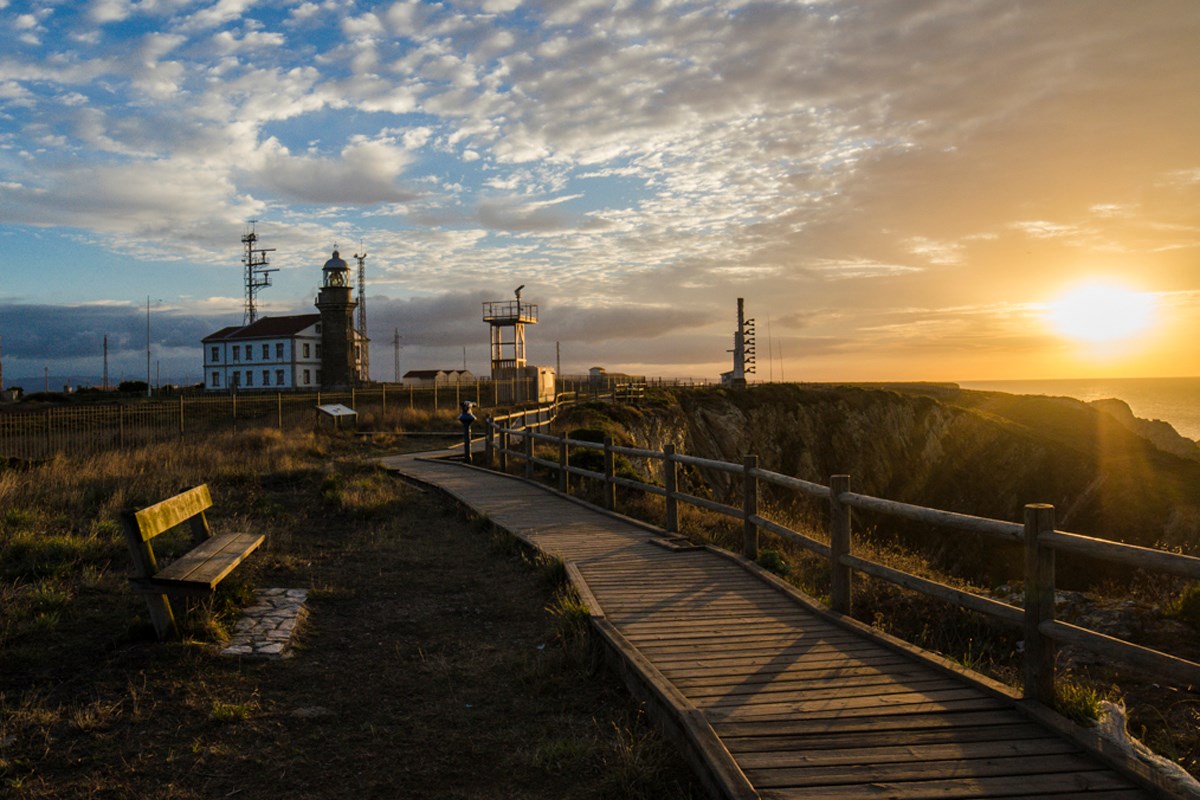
(1101, 312)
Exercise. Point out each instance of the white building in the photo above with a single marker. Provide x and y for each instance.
(270, 354)
(425, 378)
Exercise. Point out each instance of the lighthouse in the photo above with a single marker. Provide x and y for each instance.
(336, 303)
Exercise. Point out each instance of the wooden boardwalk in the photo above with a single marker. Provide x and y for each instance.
(776, 699)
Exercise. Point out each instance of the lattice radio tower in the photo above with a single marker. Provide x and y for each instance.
(362, 311)
(257, 274)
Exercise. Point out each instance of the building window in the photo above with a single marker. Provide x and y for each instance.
(216, 380)
(266, 351)
(279, 351)
(216, 354)
(307, 353)
(307, 375)
(237, 352)
(249, 378)
(237, 378)
(318, 351)
(266, 377)
(318, 376)
(279, 377)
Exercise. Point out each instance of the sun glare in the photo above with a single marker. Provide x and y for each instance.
(1102, 312)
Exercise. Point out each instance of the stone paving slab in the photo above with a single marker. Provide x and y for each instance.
(266, 627)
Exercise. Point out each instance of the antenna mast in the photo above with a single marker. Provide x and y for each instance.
(362, 311)
(396, 347)
(257, 275)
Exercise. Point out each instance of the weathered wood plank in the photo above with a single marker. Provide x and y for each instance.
(160, 517)
(785, 711)
(205, 565)
(1044, 745)
(1031, 769)
(1045, 786)
(783, 682)
(830, 727)
(816, 742)
(773, 694)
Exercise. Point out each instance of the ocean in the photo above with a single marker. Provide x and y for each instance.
(1173, 400)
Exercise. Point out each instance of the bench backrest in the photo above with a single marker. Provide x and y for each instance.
(187, 506)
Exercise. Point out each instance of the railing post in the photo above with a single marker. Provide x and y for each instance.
(564, 479)
(839, 545)
(279, 408)
(504, 442)
(528, 453)
(1039, 605)
(610, 488)
(670, 479)
(489, 436)
(749, 507)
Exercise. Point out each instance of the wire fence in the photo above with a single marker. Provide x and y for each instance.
(33, 433)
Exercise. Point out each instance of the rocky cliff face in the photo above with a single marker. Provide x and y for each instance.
(1160, 433)
(980, 453)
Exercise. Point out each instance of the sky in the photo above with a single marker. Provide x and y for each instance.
(918, 190)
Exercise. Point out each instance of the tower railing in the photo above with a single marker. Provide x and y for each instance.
(510, 311)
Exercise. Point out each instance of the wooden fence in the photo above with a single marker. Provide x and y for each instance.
(513, 436)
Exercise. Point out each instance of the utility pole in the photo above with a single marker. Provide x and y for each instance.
(396, 351)
(147, 345)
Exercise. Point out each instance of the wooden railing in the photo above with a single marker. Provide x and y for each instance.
(514, 437)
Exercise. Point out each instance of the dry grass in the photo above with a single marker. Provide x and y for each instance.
(428, 667)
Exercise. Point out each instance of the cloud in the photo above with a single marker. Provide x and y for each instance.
(365, 172)
(846, 155)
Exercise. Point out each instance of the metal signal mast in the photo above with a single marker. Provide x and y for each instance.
(743, 348)
(257, 275)
(362, 311)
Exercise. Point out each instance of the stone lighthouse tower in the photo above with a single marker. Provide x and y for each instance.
(336, 305)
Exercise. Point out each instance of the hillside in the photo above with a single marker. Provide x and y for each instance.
(981, 453)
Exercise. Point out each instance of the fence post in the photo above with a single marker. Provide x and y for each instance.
(670, 478)
(610, 488)
(121, 426)
(839, 545)
(1039, 605)
(528, 453)
(504, 441)
(489, 436)
(749, 507)
(564, 479)
(181, 416)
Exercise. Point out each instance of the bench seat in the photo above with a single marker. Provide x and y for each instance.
(202, 568)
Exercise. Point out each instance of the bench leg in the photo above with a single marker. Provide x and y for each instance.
(162, 617)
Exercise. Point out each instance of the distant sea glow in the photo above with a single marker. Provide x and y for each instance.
(1173, 400)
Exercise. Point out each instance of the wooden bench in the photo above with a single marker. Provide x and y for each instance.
(197, 572)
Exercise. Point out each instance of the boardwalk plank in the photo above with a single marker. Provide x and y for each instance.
(975, 768)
